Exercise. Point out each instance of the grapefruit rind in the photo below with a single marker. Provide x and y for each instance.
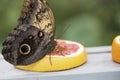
(116, 49)
(58, 62)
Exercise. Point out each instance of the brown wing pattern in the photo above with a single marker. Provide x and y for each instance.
(38, 14)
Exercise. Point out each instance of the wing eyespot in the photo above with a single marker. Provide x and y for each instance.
(25, 49)
(30, 37)
(41, 34)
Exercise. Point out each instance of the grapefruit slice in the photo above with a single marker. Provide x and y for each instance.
(116, 49)
(66, 55)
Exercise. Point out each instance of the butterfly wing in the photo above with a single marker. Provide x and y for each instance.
(33, 38)
(26, 44)
(38, 14)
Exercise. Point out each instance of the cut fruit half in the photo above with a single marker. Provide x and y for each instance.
(66, 55)
(116, 49)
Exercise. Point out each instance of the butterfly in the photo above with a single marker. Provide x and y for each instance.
(33, 38)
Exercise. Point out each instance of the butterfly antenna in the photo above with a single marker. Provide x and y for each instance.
(64, 30)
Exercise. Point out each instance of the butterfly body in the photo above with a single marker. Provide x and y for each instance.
(33, 37)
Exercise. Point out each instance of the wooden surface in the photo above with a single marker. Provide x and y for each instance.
(98, 67)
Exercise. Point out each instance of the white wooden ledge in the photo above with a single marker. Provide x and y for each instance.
(98, 67)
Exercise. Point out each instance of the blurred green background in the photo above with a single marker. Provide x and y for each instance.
(90, 22)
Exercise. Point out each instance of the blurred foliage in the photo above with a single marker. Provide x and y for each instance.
(90, 22)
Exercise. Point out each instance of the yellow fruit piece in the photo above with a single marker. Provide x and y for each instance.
(116, 49)
(58, 62)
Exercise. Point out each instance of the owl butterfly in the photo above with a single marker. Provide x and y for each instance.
(33, 37)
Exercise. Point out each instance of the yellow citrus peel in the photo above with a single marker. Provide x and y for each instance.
(116, 49)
